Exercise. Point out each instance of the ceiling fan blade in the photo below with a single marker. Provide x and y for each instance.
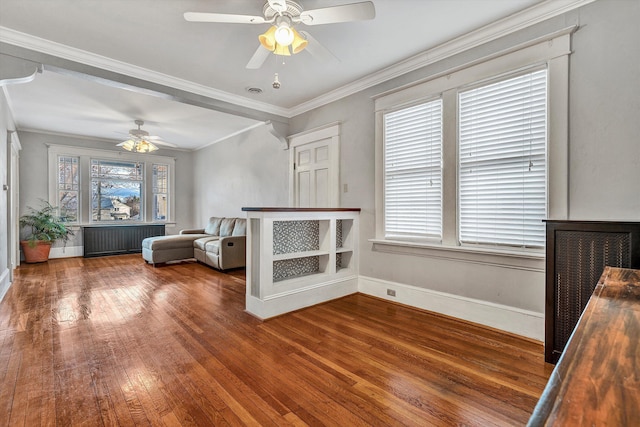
(258, 58)
(316, 49)
(345, 13)
(223, 18)
(165, 143)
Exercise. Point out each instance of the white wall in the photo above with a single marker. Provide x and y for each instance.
(6, 124)
(249, 169)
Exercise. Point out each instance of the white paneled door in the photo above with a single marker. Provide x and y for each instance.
(315, 169)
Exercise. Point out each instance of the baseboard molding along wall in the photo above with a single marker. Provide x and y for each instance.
(4, 283)
(66, 252)
(285, 302)
(526, 323)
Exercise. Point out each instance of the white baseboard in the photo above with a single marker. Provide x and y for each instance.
(521, 322)
(66, 252)
(275, 305)
(4, 283)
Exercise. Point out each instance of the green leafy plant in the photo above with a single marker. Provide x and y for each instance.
(45, 224)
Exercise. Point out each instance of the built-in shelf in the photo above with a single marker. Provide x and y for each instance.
(304, 254)
(299, 257)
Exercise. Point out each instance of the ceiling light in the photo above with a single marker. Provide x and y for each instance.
(280, 36)
(298, 43)
(282, 50)
(268, 39)
(284, 34)
(139, 146)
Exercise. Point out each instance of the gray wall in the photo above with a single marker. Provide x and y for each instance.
(604, 165)
(249, 169)
(604, 150)
(34, 170)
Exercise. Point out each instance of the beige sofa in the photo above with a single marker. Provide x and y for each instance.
(221, 244)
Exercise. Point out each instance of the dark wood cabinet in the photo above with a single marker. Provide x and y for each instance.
(577, 253)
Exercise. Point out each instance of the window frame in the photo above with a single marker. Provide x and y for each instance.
(552, 52)
(427, 237)
(459, 178)
(85, 155)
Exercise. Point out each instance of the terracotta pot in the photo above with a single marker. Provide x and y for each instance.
(38, 252)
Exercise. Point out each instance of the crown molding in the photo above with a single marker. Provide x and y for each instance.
(503, 27)
(27, 41)
(518, 21)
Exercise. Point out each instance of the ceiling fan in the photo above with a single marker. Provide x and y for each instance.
(282, 38)
(140, 141)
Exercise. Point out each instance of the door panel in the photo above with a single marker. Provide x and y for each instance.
(315, 179)
(322, 188)
(304, 189)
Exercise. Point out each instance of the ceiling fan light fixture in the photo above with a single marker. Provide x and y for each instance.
(139, 146)
(299, 43)
(268, 39)
(282, 50)
(284, 34)
(129, 145)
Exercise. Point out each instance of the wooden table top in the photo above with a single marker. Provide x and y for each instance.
(597, 379)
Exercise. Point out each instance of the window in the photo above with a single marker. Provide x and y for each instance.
(502, 162)
(68, 188)
(497, 140)
(94, 185)
(413, 171)
(160, 190)
(116, 190)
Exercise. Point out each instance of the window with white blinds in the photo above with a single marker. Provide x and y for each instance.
(502, 162)
(413, 171)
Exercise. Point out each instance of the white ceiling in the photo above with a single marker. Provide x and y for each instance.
(150, 39)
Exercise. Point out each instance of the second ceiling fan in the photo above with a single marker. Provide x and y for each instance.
(282, 38)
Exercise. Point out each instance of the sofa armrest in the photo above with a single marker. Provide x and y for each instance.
(233, 252)
(192, 231)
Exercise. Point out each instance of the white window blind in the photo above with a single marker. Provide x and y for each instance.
(502, 162)
(413, 171)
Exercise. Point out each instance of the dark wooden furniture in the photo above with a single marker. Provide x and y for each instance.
(104, 240)
(577, 252)
(596, 382)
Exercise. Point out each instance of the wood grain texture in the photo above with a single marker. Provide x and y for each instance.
(113, 341)
(597, 380)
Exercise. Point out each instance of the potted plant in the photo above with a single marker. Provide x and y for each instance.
(45, 227)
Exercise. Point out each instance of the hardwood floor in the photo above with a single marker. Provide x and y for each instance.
(113, 341)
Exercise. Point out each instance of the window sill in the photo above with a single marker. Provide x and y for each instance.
(518, 259)
(119, 224)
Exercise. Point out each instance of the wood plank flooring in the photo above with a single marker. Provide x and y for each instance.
(114, 341)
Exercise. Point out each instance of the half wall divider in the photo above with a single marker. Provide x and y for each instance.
(298, 257)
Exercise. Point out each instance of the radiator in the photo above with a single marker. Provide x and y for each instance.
(117, 239)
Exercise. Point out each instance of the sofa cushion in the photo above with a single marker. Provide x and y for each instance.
(213, 247)
(213, 227)
(201, 242)
(170, 242)
(226, 227)
(240, 228)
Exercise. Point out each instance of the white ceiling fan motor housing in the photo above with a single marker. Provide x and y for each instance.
(281, 7)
